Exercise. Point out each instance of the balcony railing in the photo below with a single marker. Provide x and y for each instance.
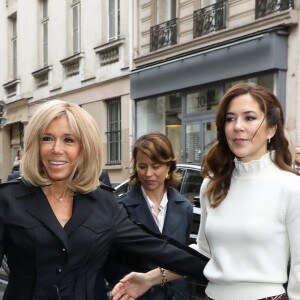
(164, 34)
(267, 7)
(210, 18)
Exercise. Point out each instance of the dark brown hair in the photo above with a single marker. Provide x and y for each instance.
(218, 164)
(158, 148)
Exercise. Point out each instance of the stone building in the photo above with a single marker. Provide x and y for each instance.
(188, 52)
(144, 65)
(78, 51)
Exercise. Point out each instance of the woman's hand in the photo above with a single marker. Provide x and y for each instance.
(131, 286)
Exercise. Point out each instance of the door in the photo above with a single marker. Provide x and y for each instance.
(199, 136)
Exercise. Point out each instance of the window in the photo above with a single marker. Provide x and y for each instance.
(114, 131)
(14, 47)
(209, 2)
(166, 10)
(76, 26)
(165, 32)
(45, 20)
(114, 19)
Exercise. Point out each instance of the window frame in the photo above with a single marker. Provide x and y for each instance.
(14, 43)
(113, 133)
(166, 10)
(113, 12)
(45, 22)
(76, 28)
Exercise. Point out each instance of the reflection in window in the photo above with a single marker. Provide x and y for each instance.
(204, 99)
(209, 135)
(161, 114)
(150, 115)
(266, 80)
(192, 143)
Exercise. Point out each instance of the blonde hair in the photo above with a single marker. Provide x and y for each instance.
(85, 176)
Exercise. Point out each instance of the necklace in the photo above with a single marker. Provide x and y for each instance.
(60, 198)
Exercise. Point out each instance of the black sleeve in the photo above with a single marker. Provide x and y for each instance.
(159, 249)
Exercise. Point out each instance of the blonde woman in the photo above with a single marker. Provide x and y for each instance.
(57, 225)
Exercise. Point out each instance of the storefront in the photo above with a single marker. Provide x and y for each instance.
(11, 135)
(180, 97)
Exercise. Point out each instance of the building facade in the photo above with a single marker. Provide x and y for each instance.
(144, 65)
(188, 52)
(74, 50)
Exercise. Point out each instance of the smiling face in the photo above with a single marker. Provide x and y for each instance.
(59, 149)
(246, 128)
(151, 174)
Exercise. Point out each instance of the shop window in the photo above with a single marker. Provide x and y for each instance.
(161, 114)
(205, 99)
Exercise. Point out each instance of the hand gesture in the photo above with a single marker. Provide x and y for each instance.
(131, 286)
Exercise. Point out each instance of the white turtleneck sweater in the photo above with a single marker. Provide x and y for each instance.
(251, 234)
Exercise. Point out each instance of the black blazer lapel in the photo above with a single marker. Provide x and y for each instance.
(174, 214)
(39, 207)
(82, 208)
(138, 209)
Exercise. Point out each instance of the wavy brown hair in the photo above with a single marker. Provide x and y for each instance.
(218, 163)
(159, 149)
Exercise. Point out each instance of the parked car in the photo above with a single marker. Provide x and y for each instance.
(189, 187)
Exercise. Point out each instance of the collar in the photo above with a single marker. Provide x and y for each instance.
(150, 203)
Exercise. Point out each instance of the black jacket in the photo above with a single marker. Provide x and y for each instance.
(48, 262)
(177, 225)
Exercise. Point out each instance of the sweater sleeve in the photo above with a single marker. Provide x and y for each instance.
(202, 244)
(293, 225)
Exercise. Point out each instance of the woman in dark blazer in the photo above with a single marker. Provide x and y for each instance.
(155, 202)
(57, 225)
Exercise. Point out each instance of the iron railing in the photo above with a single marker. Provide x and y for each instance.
(164, 34)
(210, 18)
(267, 7)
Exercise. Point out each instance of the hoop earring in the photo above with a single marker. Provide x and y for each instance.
(167, 175)
(269, 140)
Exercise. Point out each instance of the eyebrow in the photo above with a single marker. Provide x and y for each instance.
(244, 112)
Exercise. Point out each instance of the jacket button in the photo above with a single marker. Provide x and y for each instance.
(64, 250)
(58, 270)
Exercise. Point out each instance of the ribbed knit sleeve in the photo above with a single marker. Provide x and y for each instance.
(292, 213)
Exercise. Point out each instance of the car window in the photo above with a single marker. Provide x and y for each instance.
(190, 185)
